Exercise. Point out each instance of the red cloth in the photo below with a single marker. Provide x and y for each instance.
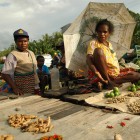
(124, 72)
(93, 79)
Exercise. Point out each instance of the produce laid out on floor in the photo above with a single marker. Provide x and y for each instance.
(117, 100)
(113, 96)
(134, 87)
(6, 137)
(54, 137)
(123, 99)
(25, 123)
(134, 106)
(113, 93)
(118, 137)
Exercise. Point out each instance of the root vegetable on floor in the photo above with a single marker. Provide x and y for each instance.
(118, 137)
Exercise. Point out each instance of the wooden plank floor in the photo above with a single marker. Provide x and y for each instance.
(73, 122)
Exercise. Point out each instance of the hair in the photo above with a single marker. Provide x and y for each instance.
(39, 56)
(21, 36)
(105, 22)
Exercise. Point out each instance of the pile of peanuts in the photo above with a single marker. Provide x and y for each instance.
(6, 137)
(117, 99)
(24, 122)
(134, 107)
(134, 94)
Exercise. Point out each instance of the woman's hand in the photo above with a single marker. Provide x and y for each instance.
(112, 84)
(12, 84)
(17, 91)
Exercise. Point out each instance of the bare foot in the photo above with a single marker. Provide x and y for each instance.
(100, 86)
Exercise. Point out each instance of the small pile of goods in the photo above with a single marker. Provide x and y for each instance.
(6, 137)
(130, 98)
(133, 94)
(19, 120)
(133, 90)
(134, 87)
(134, 107)
(27, 125)
(113, 93)
(117, 100)
(54, 137)
(113, 96)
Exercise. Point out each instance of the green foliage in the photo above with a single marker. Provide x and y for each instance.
(47, 44)
(136, 34)
(5, 52)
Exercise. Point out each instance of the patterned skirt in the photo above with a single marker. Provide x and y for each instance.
(25, 82)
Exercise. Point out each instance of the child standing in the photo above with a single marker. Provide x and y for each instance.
(43, 74)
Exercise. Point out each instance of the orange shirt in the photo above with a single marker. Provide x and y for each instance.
(112, 61)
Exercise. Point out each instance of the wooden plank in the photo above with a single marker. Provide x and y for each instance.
(56, 93)
(69, 126)
(67, 112)
(31, 102)
(93, 125)
(34, 108)
(3, 98)
(16, 101)
(55, 109)
(41, 106)
(73, 122)
(131, 132)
